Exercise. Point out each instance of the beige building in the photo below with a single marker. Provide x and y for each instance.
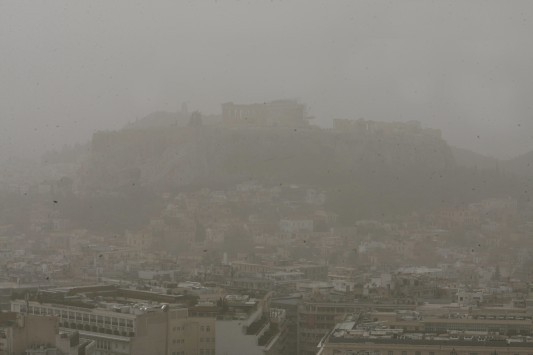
(23, 334)
(407, 334)
(139, 329)
(26, 332)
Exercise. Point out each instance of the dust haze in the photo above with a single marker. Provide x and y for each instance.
(69, 69)
(266, 177)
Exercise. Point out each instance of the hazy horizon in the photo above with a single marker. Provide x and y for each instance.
(69, 69)
(302, 212)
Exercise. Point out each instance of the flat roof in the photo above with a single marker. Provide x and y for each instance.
(466, 343)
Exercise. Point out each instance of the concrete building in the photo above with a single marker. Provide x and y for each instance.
(249, 326)
(355, 337)
(318, 314)
(316, 319)
(127, 322)
(23, 334)
(72, 344)
(290, 305)
(345, 346)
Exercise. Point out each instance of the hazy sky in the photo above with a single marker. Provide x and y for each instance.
(68, 68)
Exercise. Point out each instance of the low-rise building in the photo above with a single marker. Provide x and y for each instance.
(121, 321)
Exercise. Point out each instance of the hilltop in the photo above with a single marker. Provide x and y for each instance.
(369, 169)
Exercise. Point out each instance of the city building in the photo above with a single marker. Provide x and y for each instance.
(250, 326)
(355, 337)
(24, 334)
(123, 321)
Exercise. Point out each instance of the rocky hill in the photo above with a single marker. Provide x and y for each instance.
(164, 119)
(467, 158)
(213, 155)
(366, 174)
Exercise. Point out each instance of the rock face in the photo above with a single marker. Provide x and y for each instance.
(213, 155)
(470, 159)
(368, 170)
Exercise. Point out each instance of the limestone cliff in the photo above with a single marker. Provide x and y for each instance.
(213, 155)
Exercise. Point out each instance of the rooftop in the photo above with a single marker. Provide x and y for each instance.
(355, 331)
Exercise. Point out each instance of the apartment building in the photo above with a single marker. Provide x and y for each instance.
(22, 334)
(407, 333)
(128, 326)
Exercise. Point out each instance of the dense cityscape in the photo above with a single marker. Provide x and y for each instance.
(262, 268)
(283, 177)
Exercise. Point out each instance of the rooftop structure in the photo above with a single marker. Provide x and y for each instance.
(279, 113)
(410, 334)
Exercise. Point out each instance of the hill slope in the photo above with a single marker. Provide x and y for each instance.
(366, 174)
(521, 165)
